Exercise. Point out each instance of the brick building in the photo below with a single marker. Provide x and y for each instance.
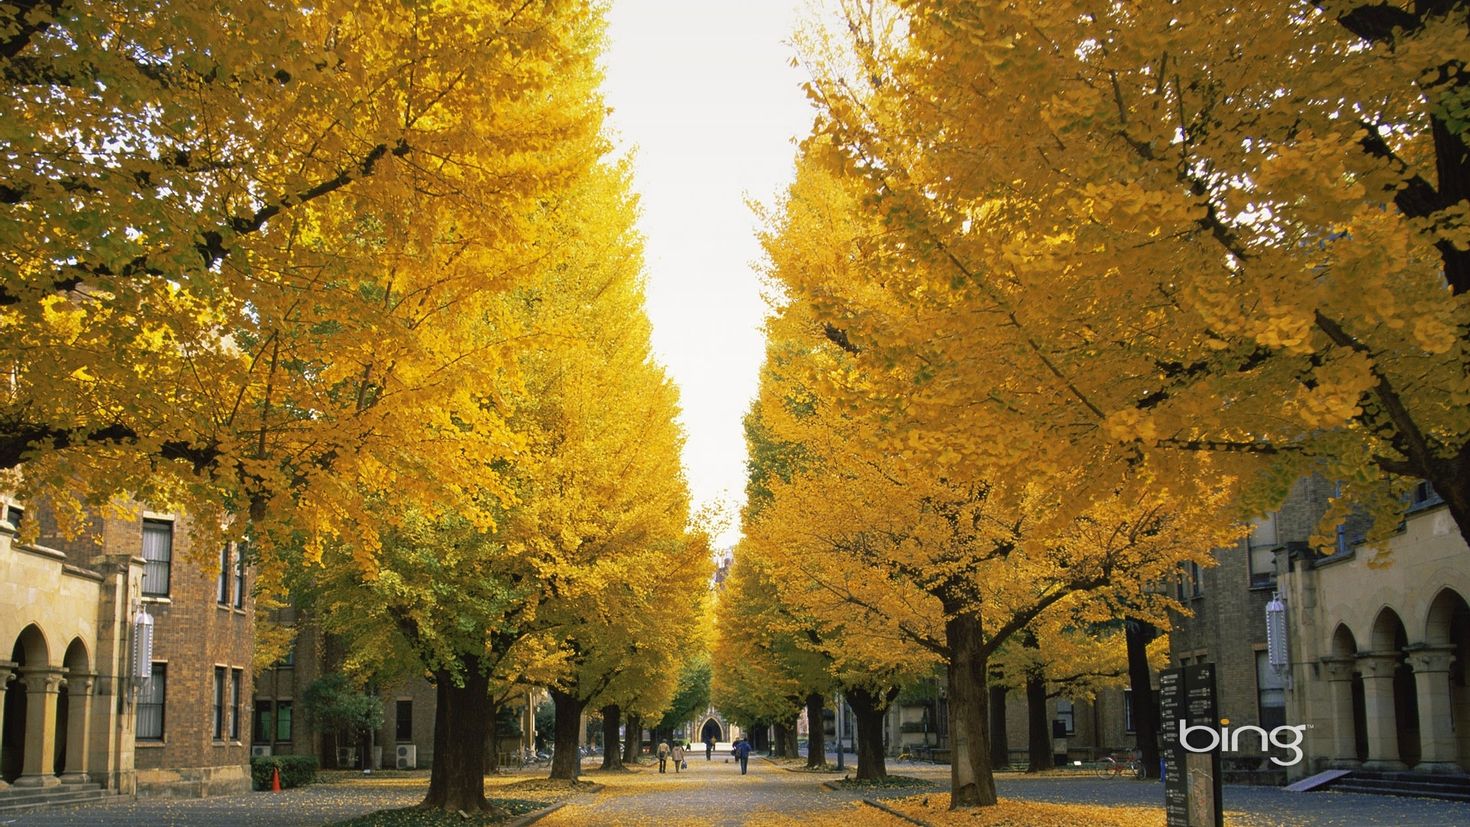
(83, 708)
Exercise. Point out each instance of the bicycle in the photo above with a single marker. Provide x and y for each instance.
(1117, 766)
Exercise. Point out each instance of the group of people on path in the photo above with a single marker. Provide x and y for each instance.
(740, 751)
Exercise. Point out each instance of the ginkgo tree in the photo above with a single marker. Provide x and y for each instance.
(582, 575)
(253, 252)
(1233, 228)
(942, 545)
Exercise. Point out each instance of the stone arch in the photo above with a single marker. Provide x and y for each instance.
(31, 651)
(1447, 611)
(1397, 696)
(1446, 663)
(1387, 633)
(713, 720)
(31, 648)
(71, 724)
(1349, 710)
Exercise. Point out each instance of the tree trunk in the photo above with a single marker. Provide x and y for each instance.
(1038, 726)
(461, 720)
(612, 754)
(566, 762)
(1138, 633)
(791, 750)
(867, 709)
(1000, 748)
(816, 739)
(778, 749)
(972, 778)
(634, 743)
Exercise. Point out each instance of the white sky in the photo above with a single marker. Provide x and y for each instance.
(703, 93)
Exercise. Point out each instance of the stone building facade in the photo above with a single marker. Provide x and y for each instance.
(1375, 654)
(78, 704)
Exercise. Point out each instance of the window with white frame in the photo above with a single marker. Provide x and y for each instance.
(158, 553)
(1271, 692)
(150, 704)
(1263, 542)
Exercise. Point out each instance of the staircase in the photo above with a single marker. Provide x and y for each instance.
(22, 799)
(1416, 784)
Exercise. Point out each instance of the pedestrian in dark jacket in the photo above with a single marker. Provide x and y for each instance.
(742, 752)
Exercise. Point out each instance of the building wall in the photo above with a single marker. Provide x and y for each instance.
(194, 634)
(1343, 613)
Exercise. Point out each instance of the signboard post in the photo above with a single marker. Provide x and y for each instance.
(1191, 779)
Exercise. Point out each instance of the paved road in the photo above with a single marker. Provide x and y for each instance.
(711, 793)
(715, 793)
(304, 807)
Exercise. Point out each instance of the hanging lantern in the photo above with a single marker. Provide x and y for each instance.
(1276, 651)
(143, 645)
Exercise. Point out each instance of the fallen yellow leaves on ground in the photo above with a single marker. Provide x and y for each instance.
(1010, 812)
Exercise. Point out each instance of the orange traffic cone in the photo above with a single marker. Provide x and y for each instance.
(275, 779)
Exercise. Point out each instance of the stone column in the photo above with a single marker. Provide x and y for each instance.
(1344, 726)
(1382, 720)
(78, 727)
(42, 686)
(7, 671)
(1438, 750)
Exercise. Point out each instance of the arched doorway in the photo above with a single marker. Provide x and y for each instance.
(73, 709)
(1391, 699)
(30, 652)
(1441, 672)
(711, 729)
(1350, 729)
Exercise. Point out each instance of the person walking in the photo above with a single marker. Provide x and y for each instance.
(663, 756)
(742, 752)
(677, 753)
(709, 749)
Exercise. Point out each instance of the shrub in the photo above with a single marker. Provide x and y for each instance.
(296, 770)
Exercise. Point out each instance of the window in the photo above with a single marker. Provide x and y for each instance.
(235, 675)
(1271, 689)
(239, 575)
(260, 727)
(1422, 495)
(150, 704)
(1067, 715)
(288, 660)
(158, 552)
(404, 728)
(1128, 711)
(219, 702)
(1262, 544)
(283, 720)
(1189, 582)
(14, 514)
(223, 590)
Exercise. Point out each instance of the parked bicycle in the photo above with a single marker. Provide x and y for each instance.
(1120, 766)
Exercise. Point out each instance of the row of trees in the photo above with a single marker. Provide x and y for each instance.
(357, 283)
(1066, 293)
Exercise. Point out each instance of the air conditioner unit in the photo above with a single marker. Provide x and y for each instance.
(260, 751)
(408, 756)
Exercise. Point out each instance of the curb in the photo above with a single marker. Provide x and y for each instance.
(896, 814)
(535, 815)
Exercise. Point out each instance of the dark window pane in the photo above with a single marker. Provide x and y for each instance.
(239, 575)
(219, 702)
(235, 676)
(260, 730)
(404, 729)
(283, 720)
(224, 575)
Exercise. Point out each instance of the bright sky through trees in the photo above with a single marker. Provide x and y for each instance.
(704, 94)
